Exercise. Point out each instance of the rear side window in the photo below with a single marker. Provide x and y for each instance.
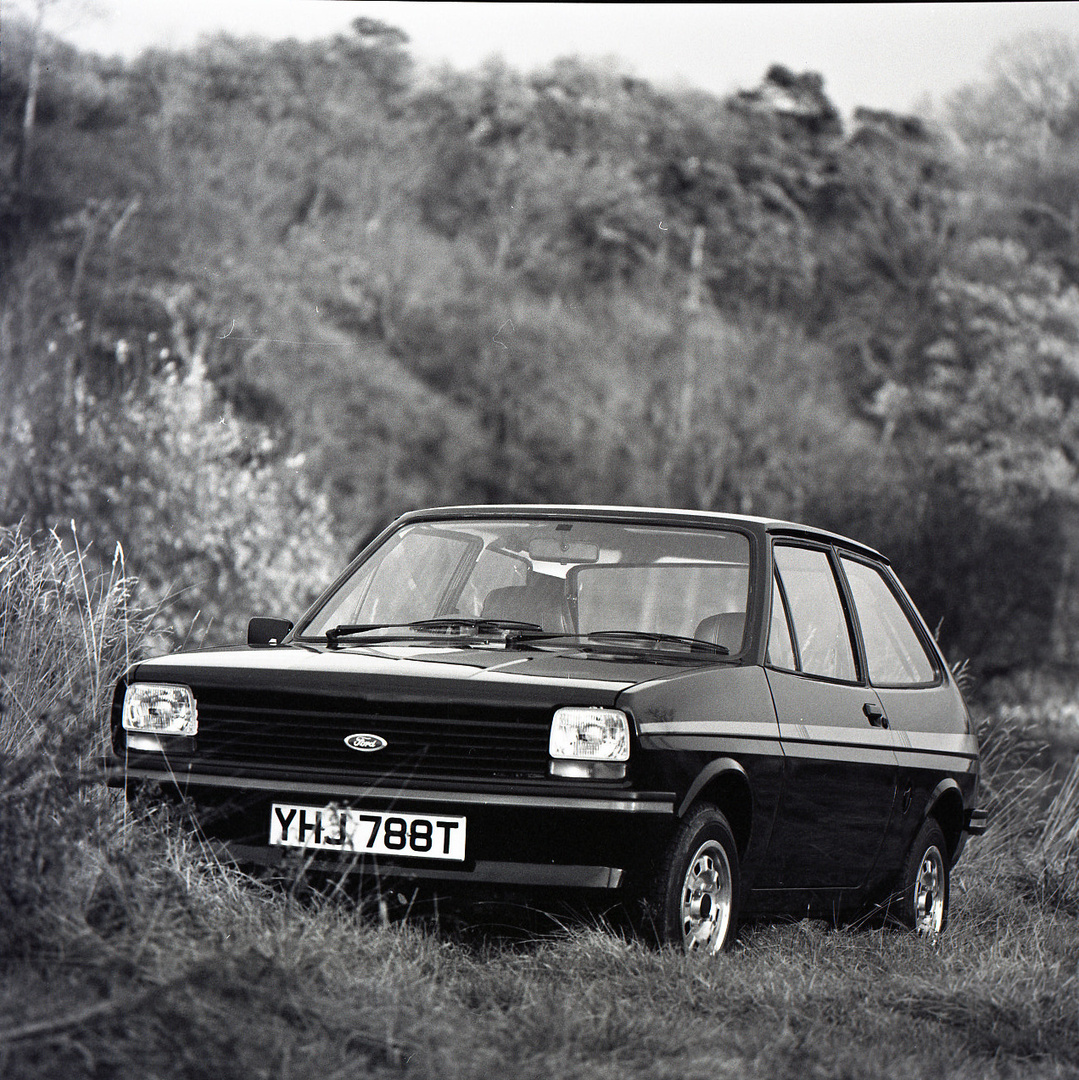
(894, 651)
(821, 639)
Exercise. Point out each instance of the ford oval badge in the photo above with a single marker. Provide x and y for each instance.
(365, 743)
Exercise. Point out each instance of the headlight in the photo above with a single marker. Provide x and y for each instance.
(590, 735)
(160, 709)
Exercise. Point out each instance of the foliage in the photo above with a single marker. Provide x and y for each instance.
(1021, 129)
(211, 504)
(985, 421)
(223, 523)
(567, 284)
(1001, 393)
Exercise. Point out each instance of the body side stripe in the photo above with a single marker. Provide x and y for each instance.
(716, 728)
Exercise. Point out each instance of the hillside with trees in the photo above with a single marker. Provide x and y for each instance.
(258, 297)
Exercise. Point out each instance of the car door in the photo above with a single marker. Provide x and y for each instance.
(839, 760)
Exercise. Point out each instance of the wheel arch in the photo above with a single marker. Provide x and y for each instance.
(723, 783)
(946, 807)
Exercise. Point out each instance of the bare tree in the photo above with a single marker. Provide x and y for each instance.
(40, 15)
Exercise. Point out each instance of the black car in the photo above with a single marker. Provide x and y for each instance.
(717, 715)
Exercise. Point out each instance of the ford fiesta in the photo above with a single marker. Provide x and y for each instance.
(717, 715)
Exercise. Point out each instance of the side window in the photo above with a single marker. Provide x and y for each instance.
(822, 641)
(780, 649)
(894, 652)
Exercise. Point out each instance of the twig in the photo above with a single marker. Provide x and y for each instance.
(56, 1024)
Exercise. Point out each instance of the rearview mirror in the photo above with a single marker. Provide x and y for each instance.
(563, 551)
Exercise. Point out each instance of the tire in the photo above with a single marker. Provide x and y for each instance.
(924, 882)
(695, 892)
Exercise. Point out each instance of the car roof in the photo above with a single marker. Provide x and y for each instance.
(656, 514)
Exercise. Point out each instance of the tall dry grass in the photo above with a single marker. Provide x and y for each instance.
(1030, 784)
(67, 630)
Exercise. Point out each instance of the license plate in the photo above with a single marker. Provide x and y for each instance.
(334, 828)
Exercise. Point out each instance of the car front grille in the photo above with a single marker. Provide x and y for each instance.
(306, 732)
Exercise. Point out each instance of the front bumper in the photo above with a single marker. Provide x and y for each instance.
(525, 875)
(557, 834)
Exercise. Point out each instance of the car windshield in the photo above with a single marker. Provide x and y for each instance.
(557, 576)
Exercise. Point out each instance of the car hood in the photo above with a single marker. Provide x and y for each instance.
(412, 672)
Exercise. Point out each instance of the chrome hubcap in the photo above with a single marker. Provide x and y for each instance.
(706, 899)
(929, 894)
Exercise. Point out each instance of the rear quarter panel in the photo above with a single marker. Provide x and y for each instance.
(934, 746)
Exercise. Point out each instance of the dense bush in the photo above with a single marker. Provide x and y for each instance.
(221, 521)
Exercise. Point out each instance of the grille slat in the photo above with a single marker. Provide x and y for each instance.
(308, 732)
(247, 714)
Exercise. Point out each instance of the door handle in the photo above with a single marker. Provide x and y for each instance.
(875, 714)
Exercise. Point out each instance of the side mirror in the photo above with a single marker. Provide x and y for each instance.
(262, 631)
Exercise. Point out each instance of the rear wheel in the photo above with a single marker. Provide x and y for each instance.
(923, 901)
(695, 892)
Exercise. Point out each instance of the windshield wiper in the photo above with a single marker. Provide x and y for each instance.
(440, 626)
(615, 639)
(646, 637)
(480, 625)
(348, 629)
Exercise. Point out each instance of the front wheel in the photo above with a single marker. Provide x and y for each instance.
(923, 900)
(695, 891)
